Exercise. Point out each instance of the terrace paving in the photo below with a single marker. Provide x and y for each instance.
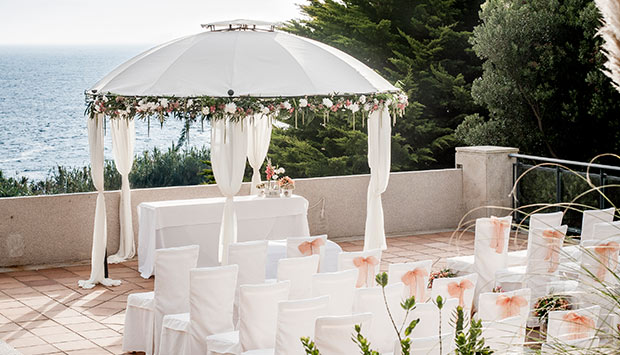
(44, 311)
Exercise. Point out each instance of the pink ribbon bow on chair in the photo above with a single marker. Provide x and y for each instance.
(497, 239)
(554, 240)
(580, 325)
(415, 280)
(310, 248)
(608, 255)
(511, 306)
(361, 264)
(457, 289)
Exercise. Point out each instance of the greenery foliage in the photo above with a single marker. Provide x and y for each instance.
(470, 342)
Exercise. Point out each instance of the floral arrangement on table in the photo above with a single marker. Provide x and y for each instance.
(549, 303)
(443, 273)
(237, 108)
(273, 185)
(287, 185)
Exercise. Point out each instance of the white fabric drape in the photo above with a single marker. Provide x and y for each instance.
(123, 141)
(95, 145)
(229, 144)
(379, 154)
(259, 137)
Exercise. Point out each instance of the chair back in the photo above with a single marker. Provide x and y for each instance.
(569, 346)
(296, 319)
(497, 306)
(490, 249)
(367, 264)
(543, 221)
(251, 258)
(428, 313)
(258, 313)
(429, 345)
(332, 332)
(573, 324)
(461, 288)
(299, 271)
(415, 277)
(306, 246)
(211, 298)
(171, 290)
(543, 258)
(605, 230)
(505, 334)
(600, 259)
(370, 299)
(592, 217)
(340, 287)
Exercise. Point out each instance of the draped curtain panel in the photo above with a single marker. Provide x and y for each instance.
(229, 146)
(95, 145)
(379, 160)
(259, 137)
(123, 141)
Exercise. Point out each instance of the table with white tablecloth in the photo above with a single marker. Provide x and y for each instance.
(167, 224)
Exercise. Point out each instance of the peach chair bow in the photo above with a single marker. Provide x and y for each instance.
(361, 263)
(311, 247)
(579, 325)
(457, 289)
(415, 280)
(510, 306)
(608, 255)
(554, 240)
(497, 239)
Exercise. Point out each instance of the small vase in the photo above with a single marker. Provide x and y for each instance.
(287, 192)
(273, 189)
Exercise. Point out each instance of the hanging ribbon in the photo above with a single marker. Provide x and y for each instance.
(608, 258)
(311, 247)
(497, 238)
(554, 241)
(580, 326)
(510, 306)
(364, 272)
(415, 280)
(457, 290)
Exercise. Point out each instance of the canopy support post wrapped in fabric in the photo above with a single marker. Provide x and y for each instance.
(379, 160)
(229, 146)
(123, 141)
(259, 137)
(100, 238)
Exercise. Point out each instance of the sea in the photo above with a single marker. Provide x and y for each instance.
(42, 122)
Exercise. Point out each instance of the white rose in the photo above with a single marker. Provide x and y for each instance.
(163, 103)
(287, 105)
(402, 98)
(274, 177)
(190, 102)
(367, 106)
(363, 99)
(328, 103)
(303, 102)
(388, 102)
(264, 110)
(230, 107)
(280, 171)
(354, 107)
(97, 108)
(205, 110)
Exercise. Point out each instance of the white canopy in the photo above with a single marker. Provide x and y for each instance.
(250, 63)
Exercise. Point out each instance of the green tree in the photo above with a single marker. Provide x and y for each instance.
(542, 82)
(422, 45)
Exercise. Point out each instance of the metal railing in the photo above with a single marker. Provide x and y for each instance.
(597, 172)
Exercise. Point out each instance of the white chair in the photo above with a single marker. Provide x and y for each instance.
(505, 335)
(212, 292)
(537, 221)
(497, 306)
(461, 288)
(599, 262)
(429, 345)
(296, 319)
(277, 250)
(299, 271)
(414, 275)
(578, 346)
(597, 225)
(258, 310)
(428, 313)
(145, 311)
(306, 246)
(490, 250)
(367, 264)
(370, 299)
(332, 334)
(340, 287)
(251, 258)
(573, 324)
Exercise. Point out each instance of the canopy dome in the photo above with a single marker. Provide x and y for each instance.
(242, 62)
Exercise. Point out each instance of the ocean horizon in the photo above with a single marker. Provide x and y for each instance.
(42, 108)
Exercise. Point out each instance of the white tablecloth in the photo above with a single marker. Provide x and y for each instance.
(167, 224)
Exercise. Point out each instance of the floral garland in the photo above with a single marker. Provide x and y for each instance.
(237, 108)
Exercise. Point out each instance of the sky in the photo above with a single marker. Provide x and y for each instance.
(125, 22)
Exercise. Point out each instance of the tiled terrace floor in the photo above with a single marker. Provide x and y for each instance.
(45, 312)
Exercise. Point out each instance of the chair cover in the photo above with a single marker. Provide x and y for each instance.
(414, 275)
(299, 271)
(172, 266)
(306, 246)
(370, 299)
(599, 262)
(428, 313)
(295, 320)
(175, 335)
(497, 306)
(461, 288)
(138, 329)
(367, 264)
(504, 335)
(573, 324)
(591, 218)
(578, 346)
(250, 257)
(490, 250)
(340, 287)
(277, 251)
(429, 345)
(332, 334)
